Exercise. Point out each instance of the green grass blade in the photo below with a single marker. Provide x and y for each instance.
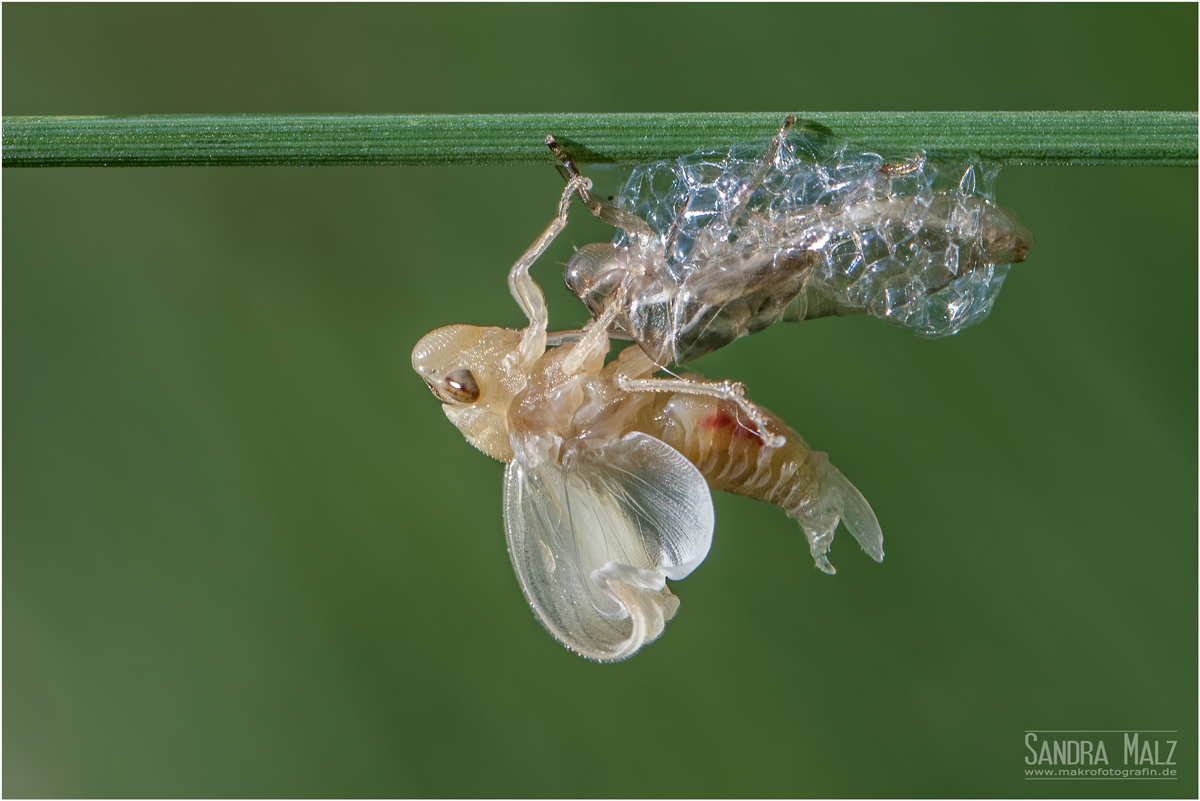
(1132, 138)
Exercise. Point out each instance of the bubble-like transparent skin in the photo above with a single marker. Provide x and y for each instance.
(830, 230)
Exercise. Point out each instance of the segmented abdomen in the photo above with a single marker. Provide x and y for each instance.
(727, 447)
(734, 455)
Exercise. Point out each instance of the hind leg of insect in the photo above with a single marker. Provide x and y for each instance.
(737, 203)
(722, 390)
(721, 227)
(525, 290)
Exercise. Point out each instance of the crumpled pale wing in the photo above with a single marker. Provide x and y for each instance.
(593, 539)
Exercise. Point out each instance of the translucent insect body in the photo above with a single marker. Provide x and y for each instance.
(607, 488)
(722, 244)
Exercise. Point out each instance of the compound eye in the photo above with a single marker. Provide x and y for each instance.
(460, 387)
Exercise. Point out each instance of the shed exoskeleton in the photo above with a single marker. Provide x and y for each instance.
(717, 245)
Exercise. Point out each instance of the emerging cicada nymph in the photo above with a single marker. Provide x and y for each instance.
(609, 469)
(607, 490)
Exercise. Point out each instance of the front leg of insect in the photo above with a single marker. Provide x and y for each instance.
(618, 218)
(525, 290)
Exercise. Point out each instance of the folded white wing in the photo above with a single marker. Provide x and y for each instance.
(594, 538)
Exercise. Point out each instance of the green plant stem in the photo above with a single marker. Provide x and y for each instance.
(1131, 138)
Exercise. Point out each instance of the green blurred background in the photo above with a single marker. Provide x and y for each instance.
(245, 554)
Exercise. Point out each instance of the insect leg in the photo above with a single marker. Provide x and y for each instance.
(526, 291)
(618, 218)
(737, 203)
(595, 333)
(556, 338)
(723, 390)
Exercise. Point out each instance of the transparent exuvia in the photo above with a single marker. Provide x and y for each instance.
(607, 489)
(720, 244)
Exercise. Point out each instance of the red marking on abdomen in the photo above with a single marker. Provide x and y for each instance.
(723, 420)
